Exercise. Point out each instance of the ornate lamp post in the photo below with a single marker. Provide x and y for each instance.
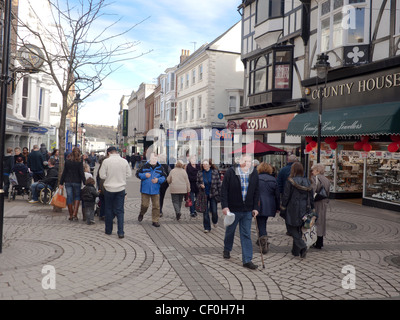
(77, 101)
(321, 68)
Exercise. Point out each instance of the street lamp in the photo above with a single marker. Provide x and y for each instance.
(77, 101)
(4, 80)
(321, 68)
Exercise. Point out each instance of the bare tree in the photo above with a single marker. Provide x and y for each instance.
(78, 49)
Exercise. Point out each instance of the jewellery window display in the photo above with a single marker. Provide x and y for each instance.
(383, 176)
(344, 168)
(350, 169)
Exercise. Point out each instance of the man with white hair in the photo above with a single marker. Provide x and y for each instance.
(240, 195)
(114, 170)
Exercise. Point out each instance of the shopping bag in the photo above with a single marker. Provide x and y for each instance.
(229, 219)
(310, 236)
(58, 199)
(188, 201)
(13, 179)
(201, 201)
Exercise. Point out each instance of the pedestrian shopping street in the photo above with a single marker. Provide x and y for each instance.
(178, 261)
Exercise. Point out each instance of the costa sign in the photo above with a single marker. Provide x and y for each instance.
(257, 124)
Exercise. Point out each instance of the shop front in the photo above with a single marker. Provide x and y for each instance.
(270, 130)
(360, 135)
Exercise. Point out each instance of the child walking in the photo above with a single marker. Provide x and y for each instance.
(89, 195)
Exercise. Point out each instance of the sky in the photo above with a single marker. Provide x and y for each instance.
(169, 26)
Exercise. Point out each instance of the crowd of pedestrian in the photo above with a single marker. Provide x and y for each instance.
(250, 190)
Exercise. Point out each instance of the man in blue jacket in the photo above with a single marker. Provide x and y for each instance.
(152, 176)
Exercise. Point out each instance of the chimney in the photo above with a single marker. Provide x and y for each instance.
(184, 55)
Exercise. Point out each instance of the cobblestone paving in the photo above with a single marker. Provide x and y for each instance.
(178, 261)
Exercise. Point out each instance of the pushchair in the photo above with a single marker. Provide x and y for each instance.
(20, 186)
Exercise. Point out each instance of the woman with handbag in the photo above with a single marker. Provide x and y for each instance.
(321, 186)
(297, 201)
(73, 175)
(179, 186)
(209, 184)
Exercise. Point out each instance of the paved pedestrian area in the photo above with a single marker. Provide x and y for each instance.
(178, 261)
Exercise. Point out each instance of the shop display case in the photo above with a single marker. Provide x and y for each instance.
(344, 168)
(382, 178)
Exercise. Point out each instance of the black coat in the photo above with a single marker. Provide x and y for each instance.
(231, 192)
(269, 195)
(192, 175)
(298, 191)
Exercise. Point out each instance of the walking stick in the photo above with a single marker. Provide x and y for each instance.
(259, 243)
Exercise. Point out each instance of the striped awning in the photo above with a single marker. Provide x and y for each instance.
(374, 119)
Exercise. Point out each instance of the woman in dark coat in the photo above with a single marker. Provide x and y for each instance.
(192, 169)
(269, 202)
(297, 197)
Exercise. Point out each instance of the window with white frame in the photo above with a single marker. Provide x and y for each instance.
(187, 80)
(192, 108)
(343, 22)
(41, 99)
(25, 95)
(181, 83)
(200, 72)
(198, 107)
(180, 119)
(193, 76)
(185, 118)
(172, 81)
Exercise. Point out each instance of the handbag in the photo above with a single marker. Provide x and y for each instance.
(13, 179)
(188, 201)
(321, 194)
(201, 201)
(58, 199)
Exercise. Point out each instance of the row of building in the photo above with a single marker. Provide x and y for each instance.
(261, 74)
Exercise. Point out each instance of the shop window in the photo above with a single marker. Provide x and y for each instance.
(342, 22)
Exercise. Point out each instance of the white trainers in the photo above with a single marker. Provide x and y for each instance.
(33, 201)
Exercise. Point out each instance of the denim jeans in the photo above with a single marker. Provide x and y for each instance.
(73, 192)
(89, 212)
(211, 206)
(114, 205)
(35, 190)
(244, 221)
(193, 198)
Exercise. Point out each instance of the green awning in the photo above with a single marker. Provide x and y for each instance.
(374, 119)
